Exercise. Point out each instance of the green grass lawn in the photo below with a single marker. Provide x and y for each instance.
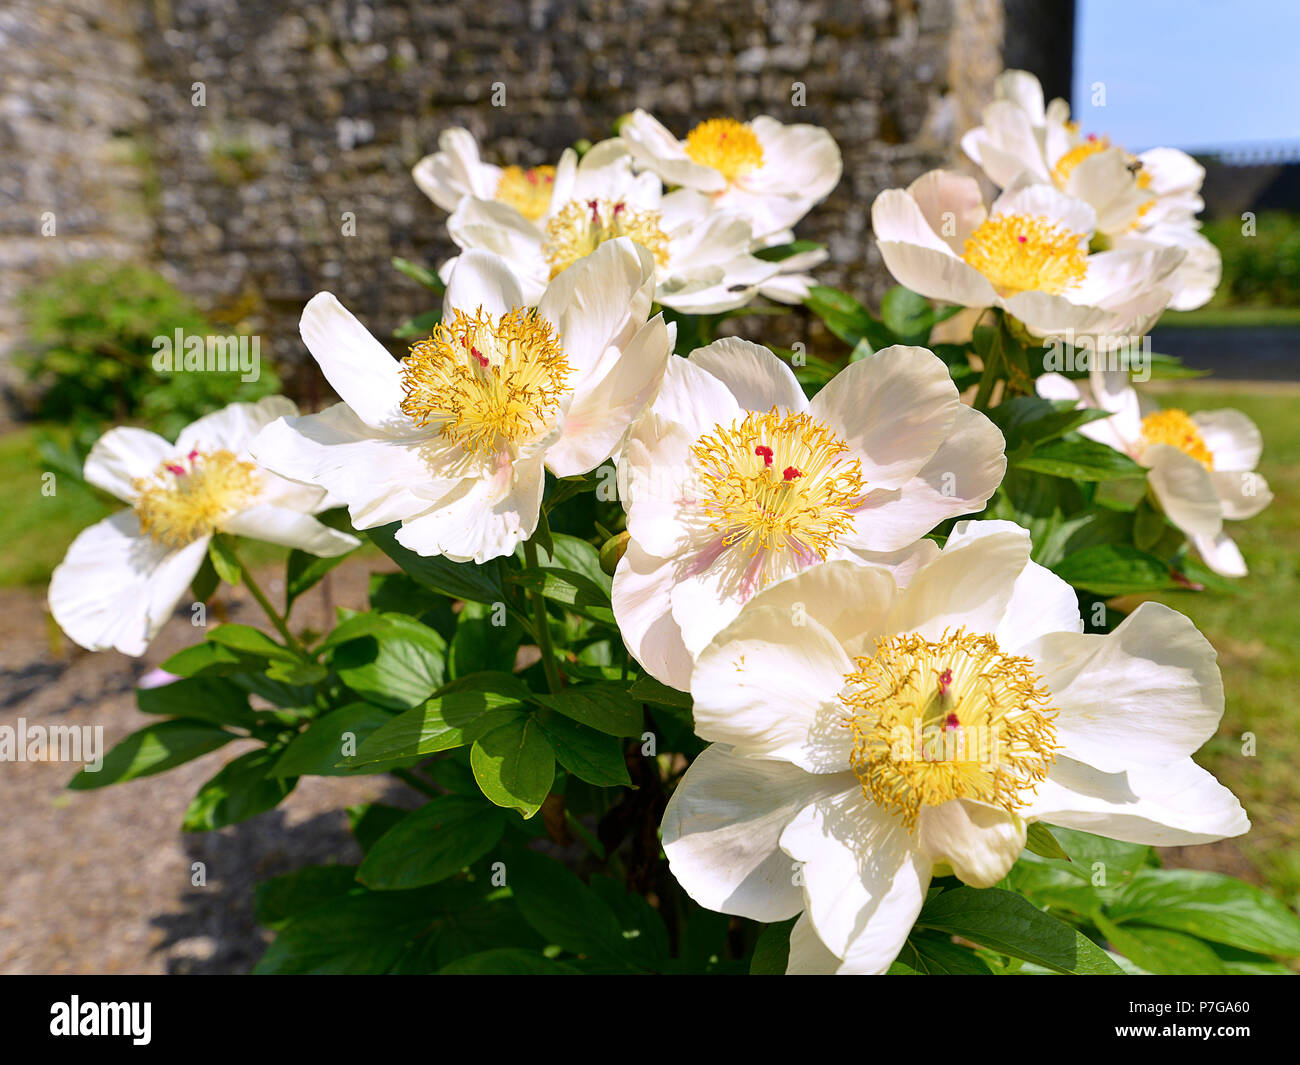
(1227, 317)
(1257, 634)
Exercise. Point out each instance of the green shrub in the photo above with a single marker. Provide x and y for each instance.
(1262, 269)
(91, 329)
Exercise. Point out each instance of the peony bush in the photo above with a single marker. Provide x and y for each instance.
(710, 656)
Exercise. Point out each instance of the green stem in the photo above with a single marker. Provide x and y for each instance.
(281, 626)
(542, 624)
(992, 369)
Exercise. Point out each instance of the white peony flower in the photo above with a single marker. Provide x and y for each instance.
(702, 255)
(455, 172)
(871, 737)
(769, 173)
(791, 283)
(453, 441)
(1028, 255)
(122, 578)
(1151, 198)
(1202, 466)
(733, 479)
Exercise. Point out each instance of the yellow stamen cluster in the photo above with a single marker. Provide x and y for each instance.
(1021, 253)
(187, 498)
(778, 486)
(486, 383)
(1083, 150)
(528, 191)
(584, 225)
(1175, 428)
(954, 718)
(728, 146)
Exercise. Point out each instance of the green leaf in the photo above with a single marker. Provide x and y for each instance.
(935, 955)
(514, 765)
(419, 326)
(432, 843)
(284, 897)
(846, 317)
(486, 639)
(508, 961)
(461, 580)
(369, 821)
(1005, 922)
(649, 690)
(205, 581)
(303, 571)
(907, 315)
(1040, 840)
(240, 790)
(577, 556)
(153, 749)
(454, 719)
(420, 274)
(780, 252)
(1114, 569)
(645, 937)
(1033, 420)
(580, 594)
(398, 666)
(318, 751)
(1159, 950)
(1210, 906)
(772, 950)
(589, 755)
(210, 660)
(562, 909)
(606, 707)
(1081, 460)
(250, 641)
(212, 699)
(223, 559)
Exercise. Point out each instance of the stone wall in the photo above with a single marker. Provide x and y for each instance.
(314, 112)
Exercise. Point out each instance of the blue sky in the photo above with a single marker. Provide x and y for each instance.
(1189, 73)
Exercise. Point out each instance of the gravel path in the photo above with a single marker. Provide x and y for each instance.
(101, 881)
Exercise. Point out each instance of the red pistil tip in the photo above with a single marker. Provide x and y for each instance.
(951, 722)
(765, 453)
(175, 468)
(791, 472)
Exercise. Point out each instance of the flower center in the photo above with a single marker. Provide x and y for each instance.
(954, 718)
(778, 485)
(187, 498)
(1175, 428)
(584, 225)
(728, 146)
(1020, 253)
(528, 191)
(486, 382)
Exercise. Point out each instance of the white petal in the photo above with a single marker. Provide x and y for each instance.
(1242, 493)
(769, 685)
(864, 878)
(652, 145)
(116, 587)
(123, 454)
(381, 479)
(894, 409)
(722, 829)
(969, 585)
(695, 398)
(981, 843)
(951, 204)
(482, 518)
(359, 368)
(1184, 490)
(1026, 196)
(1221, 554)
(958, 479)
(233, 427)
(1164, 806)
(455, 170)
(290, 528)
(809, 956)
(642, 605)
(482, 280)
(758, 378)
(1148, 693)
(602, 411)
(1233, 439)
